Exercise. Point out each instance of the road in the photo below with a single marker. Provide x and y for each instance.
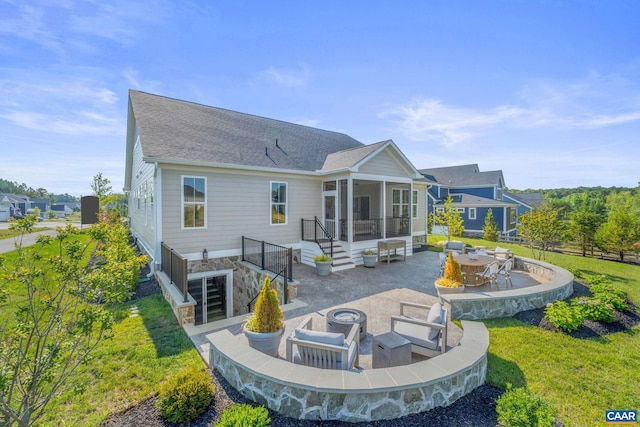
(8, 245)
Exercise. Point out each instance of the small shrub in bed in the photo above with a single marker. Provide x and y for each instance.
(520, 408)
(608, 294)
(244, 415)
(185, 396)
(564, 316)
(595, 309)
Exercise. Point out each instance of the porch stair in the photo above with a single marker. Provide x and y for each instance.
(341, 260)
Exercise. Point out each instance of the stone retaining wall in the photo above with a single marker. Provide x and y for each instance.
(359, 395)
(486, 305)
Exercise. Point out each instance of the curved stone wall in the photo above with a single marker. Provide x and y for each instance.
(486, 305)
(359, 395)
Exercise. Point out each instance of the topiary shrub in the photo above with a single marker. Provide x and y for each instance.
(520, 408)
(186, 395)
(268, 315)
(244, 415)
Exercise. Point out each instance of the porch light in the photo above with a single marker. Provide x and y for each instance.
(205, 254)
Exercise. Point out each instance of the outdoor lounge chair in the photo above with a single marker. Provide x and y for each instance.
(428, 334)
(458, 247)
(326, 350)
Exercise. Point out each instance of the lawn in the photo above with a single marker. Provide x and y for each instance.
(581, 377)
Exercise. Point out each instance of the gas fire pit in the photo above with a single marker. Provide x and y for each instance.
(341, 319)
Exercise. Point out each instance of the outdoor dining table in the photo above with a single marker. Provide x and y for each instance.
(473, 268)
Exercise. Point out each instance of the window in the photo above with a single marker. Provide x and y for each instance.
(439, 210)
(414, 204)
(512, 215)
(194, 202)
(400, 203)
(472, 213)
(278, 202)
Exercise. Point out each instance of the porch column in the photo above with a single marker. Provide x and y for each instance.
(350, 209)
(383, 198)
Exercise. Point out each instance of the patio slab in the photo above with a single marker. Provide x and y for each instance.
(375, 291)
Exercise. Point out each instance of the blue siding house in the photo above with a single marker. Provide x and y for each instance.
(474, 193)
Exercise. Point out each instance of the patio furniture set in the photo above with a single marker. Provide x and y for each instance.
(338, 347)
(480, 266)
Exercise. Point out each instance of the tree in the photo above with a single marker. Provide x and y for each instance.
(58, 320)
(542, 228)
(622, 227)
(101, 189)
(584, 222)
(490, 228)
(451, 219)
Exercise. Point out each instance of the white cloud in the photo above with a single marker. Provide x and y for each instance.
(287, 77)
(590, 103)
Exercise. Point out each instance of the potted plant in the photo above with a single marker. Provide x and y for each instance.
(451, 281)
(264, 327)
(369, 257)
(323, 264)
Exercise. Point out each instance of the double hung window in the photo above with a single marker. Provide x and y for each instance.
(278, 202)
(194, 201)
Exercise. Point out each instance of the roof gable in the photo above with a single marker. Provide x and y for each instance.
(181, 131)
(463, 175)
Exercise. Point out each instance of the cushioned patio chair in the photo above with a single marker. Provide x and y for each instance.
(501, 254)
(428, 333)
(458, 247)
(326, 350)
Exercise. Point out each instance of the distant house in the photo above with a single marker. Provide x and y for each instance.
(14, 205)
(473, 193)
(526, 201)
(61, 210)
(207, 182)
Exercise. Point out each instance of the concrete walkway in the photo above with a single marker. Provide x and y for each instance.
(375, 291)
(8, 245)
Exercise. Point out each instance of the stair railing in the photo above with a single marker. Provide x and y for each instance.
(318, 233)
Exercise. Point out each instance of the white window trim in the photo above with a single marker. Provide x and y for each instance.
(182, 202)
(414, 204)
(286, 203)
(472, 213)
(408, 204)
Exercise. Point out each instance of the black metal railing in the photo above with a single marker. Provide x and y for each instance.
(175, 266)
(314, 231)
(363, 229)
(400, 226)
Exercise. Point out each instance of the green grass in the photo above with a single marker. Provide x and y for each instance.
(9, 234)
(580, 377)
(128, 369)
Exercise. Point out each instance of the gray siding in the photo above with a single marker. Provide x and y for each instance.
(141, 214)
(385, 164)
(238, 204)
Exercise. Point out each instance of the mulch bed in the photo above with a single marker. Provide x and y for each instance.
(477, 409)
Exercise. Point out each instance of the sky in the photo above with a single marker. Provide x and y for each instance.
(547, 91)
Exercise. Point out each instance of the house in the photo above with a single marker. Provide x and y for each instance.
(13, 205)
(526, 201)
(473, 193)
(61, 210)
(217, 186)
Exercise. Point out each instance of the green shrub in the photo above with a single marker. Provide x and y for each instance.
(520, 408)
(243, 415)
(595, 309)
(609, 294)
(564, 316)
(185, 396)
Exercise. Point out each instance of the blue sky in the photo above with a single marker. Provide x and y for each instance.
(546, 91)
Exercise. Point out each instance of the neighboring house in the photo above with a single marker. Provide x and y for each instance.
(473, 193)
(41, 203)
(526, 201)
(61, 210)
(17, 204)
(200, 178)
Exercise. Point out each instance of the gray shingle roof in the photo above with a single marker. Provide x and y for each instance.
(176, 130)
(530, 199)
(463, 175)
(348, 158)
(465, 199)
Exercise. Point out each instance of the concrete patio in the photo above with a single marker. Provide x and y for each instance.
(375, 291)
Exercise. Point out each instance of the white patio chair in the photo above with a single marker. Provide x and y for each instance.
(505, 271)
(443, 263)
(491, 272)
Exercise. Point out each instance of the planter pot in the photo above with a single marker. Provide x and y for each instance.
(369, 260)
(323, 268)
(448, 290)
(266, 342)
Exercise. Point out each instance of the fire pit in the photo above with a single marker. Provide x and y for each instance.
(341, 319)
